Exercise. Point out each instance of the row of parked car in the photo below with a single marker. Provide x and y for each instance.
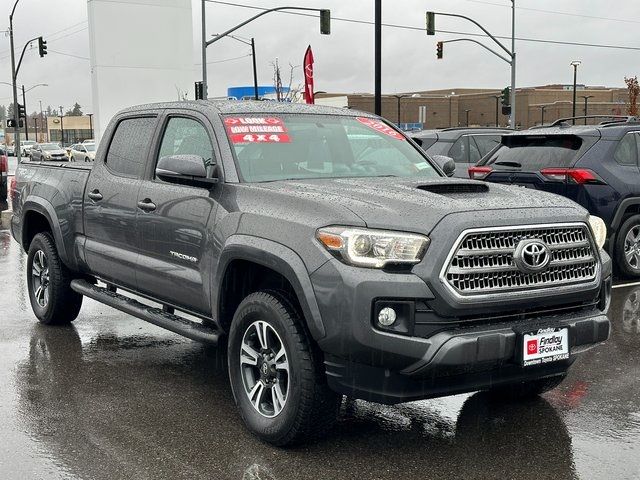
(51, 151)
(596, 166)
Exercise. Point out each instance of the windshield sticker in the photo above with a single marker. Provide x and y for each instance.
(257, 129)
(381, 127)
(260, 138)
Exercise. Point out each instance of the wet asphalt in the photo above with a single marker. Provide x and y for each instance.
(113, 397)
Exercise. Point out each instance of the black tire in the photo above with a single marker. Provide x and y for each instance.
(310, 407)
(525, 390)
(55, 303)
(627, 267)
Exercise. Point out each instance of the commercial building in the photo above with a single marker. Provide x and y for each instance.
(69, 129)
(481, 107)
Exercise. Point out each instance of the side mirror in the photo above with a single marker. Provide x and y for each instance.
(184, 169)
(447, 164)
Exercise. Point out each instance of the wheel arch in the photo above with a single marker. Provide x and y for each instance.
(270, 262)
(39, 216)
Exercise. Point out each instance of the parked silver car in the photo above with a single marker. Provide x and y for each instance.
(83, 152)
(48, 152)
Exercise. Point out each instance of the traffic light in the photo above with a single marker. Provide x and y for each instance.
(21, 111)
(431, 23)
(506, 96)
(325, 22)
(439, 47)
(42, 47)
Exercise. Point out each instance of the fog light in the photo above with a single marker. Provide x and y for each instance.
(387, 316)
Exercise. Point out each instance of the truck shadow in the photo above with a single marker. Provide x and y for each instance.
(139, 406)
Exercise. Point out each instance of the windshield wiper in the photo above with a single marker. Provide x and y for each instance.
(510, 164)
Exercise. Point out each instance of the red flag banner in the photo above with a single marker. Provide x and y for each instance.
(308, 76)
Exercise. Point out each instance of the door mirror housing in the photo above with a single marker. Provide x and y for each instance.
(184, 169)
(447, 164)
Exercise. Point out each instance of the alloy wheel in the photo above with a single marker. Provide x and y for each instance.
(632, 247)
(40, 281)
(264, 368)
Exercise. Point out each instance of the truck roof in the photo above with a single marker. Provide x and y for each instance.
(250, 106)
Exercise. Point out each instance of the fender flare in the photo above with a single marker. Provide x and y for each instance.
(279, 258)
(620, 211)
(44, 208)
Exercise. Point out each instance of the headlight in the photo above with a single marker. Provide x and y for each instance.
(599, 230)
(373, 248)
(47, 155)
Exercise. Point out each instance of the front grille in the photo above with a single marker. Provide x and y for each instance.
(482, 262)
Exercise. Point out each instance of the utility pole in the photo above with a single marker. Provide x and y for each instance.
(16, 115)
(575, 64)
(61, 128)
(26, 115)
(255, 70)
(204, 50)
(90, 115)
(378, 58)
(512, 116)
(35, 122)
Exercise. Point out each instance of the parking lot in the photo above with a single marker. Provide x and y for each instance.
(112, 394)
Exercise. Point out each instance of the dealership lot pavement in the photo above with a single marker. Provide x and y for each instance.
(113, 397)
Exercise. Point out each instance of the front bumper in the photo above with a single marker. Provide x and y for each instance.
(439, 354)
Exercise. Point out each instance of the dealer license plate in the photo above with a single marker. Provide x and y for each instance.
(545, 345)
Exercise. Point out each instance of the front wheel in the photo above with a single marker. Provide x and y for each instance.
(276, 373)
(49, 284)
(627, 247)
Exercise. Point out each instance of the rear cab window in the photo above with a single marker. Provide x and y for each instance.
(129, 146)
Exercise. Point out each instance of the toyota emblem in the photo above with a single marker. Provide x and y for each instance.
(532, 256)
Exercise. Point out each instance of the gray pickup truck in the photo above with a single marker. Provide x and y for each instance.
(324, 249)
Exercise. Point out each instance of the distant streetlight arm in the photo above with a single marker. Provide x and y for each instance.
(509, 61)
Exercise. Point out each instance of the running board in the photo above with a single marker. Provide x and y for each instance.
(181, 326)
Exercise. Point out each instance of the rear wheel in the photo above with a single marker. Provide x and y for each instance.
(627, 247)
(49, 284)
(276, 374)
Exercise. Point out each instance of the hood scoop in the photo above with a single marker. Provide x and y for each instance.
(454, 188)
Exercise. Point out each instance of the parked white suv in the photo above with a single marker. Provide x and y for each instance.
(83, 152)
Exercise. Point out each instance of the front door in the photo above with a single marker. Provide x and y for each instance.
(110, 201)
(174, 241)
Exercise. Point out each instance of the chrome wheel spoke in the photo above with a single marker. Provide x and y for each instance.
(262, 332)
(281, 360)
(277, 398)
(248, 356)
(256, 393)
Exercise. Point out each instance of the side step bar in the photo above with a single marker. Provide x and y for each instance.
(181, 326)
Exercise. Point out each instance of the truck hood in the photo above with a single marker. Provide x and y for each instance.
(417, 205)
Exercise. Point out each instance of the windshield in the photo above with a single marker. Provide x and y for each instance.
(90, 147)
(28, 143)
(49, 146)
(319, 146)
(538, 151)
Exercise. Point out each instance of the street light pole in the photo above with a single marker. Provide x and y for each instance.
(512, 116)
(90, 115)
(497, 97)
(467, 113)
(575, 64)
(378, 58)
(255, 70)
(586, 105)
(542, 108)
(16, 115)
(204, 50)
(61, 128)
(26, 115)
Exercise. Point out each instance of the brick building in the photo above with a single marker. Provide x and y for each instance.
(452, 107)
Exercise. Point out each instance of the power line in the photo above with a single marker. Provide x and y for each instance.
(555, 12)
(68, 54)
(453, 32)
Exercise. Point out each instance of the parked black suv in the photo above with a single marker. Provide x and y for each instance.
(465, 145)
(326, 248)
(594, 165)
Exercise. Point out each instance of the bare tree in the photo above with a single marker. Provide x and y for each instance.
(286, 93)
(634, 91)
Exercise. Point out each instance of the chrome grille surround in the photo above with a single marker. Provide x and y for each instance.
(480, 265)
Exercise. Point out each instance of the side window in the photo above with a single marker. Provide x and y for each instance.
(129, 146)
(459, 149)
(486, 143)
(627, 151)
(474, 152)
(186, 136)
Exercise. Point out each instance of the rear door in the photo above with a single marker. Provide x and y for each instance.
(174, 242)
(111, 196)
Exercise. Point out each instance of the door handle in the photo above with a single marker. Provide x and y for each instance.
(146, 205)
(95, 195)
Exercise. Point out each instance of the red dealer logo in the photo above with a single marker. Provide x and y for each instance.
(380, 126)
(532, 347)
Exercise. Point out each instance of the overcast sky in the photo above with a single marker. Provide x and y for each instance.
(344, 60)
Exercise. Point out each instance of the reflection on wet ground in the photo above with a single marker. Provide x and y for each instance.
(112, 397)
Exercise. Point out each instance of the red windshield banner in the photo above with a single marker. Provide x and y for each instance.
(257, 129)
(381, 127)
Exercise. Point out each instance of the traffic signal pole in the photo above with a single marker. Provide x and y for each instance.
(16, 115)
(24, 105)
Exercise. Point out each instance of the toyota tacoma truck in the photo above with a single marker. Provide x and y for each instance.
(323, 249)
